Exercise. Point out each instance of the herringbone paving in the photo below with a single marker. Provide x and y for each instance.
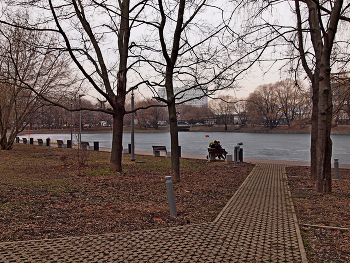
(257, 225)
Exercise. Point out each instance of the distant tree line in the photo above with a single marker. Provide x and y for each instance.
(270, 105)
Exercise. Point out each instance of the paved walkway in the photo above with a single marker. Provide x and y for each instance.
(258, 224)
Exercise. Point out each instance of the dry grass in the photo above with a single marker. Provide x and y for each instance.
(48, 194)
(333, 210)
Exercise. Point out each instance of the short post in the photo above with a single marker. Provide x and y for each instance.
(179, 151)
(240, 152)
(171, 196)
(96, 146)
(69, 143)
(48, 143)
(336, 169)
(235, 155)
(17, 139)
(129, 148)
(31, 140)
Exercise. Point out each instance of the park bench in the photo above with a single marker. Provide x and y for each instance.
(213, 153)
(40, 142)
(24, 140)
(158, 149)
(59, 143)
(85, 145)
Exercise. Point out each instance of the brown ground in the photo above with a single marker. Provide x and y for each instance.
(322, 244)
(47, 194)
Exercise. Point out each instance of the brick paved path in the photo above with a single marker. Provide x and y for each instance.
(257, 225)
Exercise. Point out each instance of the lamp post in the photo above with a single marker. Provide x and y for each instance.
(81, 95)
(132, 128)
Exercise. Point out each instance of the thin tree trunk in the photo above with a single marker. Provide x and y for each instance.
(119, 100)
(175, 161)
(117, 140)
(314, 129)
(324, 143)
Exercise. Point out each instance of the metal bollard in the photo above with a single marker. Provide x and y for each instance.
(31, 140)
(96, 146)
(17, 139)
(336, 169)
(171, 196)
(235, 155)
(48, 143)
(240, 157)
(240, 152)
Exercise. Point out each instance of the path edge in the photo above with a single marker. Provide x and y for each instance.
(296, 223)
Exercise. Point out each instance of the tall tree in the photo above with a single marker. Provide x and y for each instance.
(27, 61)
(322, 27)
(310, 39)
(195, 53)
(88, 41)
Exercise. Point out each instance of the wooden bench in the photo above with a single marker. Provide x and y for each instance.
(213, 153)
(60, 143)
(40, 142)
(158, 149)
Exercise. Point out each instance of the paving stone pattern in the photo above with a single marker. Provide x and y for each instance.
(257, 225)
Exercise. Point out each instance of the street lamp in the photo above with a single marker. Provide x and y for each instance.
(132, 128)
(81, 95)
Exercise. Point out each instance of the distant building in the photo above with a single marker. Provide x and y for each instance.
(188, 96)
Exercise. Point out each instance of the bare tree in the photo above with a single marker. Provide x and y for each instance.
(291, 98)
(310, 40)
(341, 97)
(224, 109)
(88, 42)
(191, 52)
(194, 114)
(26, 62)
(323, 19)
(264, 102)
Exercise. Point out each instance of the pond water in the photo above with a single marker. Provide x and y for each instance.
(291, 147)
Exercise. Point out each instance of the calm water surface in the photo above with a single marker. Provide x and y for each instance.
(292, 147)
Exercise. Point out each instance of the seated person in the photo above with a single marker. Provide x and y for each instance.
(212, 144)
(218, 146)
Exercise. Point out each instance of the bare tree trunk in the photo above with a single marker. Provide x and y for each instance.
(175, 161)
(3, 141)
(324, 142)
(314, 129)
(117, 140)
(119, 99)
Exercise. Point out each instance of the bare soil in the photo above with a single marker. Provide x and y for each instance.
(60, 193)
(328, 237)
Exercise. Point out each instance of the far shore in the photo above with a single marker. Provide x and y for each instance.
(339, 129)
